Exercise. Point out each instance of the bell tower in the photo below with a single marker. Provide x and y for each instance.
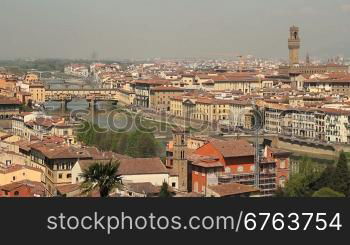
(294, 45)
(180, 163)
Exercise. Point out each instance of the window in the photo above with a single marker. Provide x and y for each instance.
(14, 178)
(16, 193)
(283, 164)
(60, 176)
(240, 169)
(173, 184)
(69, 176)
(77, 179)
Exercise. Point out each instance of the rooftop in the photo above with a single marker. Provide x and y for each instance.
(232, 189)
(233, 148)
(8, 101)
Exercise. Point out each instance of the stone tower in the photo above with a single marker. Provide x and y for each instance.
(294, 45)
(180, 163)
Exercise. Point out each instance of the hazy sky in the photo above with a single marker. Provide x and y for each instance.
(170, 28)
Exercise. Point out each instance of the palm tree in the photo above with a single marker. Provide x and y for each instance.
(103, 176)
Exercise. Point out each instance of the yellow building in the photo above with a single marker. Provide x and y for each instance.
(245, 84)
(15, 173)
(200, 108)
(160, 97)
(37, 91)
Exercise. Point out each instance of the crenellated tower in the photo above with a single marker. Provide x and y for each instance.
(294, 45)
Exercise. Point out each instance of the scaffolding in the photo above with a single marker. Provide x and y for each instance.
(267, 180)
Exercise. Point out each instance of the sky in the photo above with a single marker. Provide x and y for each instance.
(139, 29)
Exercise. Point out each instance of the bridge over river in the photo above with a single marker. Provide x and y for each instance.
(91, 95)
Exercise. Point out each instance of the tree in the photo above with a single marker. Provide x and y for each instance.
(147, 146)
(327, 192)
(105, 177)
(164, 191)
(122, 144)
(132, 146)
(326, 178)
(341, 177)
(300, 184)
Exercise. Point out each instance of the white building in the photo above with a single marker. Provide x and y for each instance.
(132, 170)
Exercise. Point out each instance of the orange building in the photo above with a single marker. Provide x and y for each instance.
(220, 161)
(8, 83)
(24, 188)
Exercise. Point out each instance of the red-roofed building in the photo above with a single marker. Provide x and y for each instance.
(8, 107)
(217, 162)
(24, 189)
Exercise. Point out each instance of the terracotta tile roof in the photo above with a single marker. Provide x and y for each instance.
(36, 85)
(143, 188)
(36, 187)
(134, 166)
(15, 168)
(167, 88)
(210, 81)
(232, 189)
(23, 144)
(58, 151)
(85, 164)
(8, 101)
(64, 189)
(205, 76)
(235, 77)
(5, 136)
(53, 139)
(233, 148)
(152, 82)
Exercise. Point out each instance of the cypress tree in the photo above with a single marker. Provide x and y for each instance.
(325, 180)
(164, 191)
(341, 177)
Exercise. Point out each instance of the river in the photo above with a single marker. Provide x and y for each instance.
(108, 116)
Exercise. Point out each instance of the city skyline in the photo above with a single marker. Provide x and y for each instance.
(138, 30)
